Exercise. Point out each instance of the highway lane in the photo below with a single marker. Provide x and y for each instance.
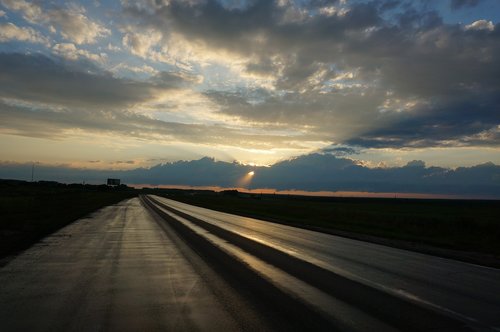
(465, 291)
(119, 270)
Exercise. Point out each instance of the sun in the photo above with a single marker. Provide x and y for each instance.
(251, 173)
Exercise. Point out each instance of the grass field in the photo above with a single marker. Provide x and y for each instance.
(466, 225)
(30, 211)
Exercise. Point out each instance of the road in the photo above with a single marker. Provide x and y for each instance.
(159, 264)
(118, 271)
(466, 292)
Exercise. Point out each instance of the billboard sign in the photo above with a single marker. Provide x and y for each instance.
(113, 182)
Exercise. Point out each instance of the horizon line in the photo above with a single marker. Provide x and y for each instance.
(322, 193)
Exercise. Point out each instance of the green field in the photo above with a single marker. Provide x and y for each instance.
(30, 211)
(467, 225)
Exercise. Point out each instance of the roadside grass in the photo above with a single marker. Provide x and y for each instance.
(30, 211)
(467, 225)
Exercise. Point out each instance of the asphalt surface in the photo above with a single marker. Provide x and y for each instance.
(153, 264)
(117, 271)
(461, 291)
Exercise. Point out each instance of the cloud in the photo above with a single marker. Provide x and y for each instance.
(53, 81)
(481, 25)
(10, 31)
(30, 10)
(144, 69)
(71, 52)
(416, 163)
(340, 151)
(59, 124)
(129, 162)
(307, 74)
(313, 172)
(323, 114)
(51, 97)
(70, 21)
(348, 74)
(140, 43)
(458, 4)
(113, 48)
(326, 172)
(75, 26)
(448, 123)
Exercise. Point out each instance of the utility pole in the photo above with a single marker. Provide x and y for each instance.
(32, 171)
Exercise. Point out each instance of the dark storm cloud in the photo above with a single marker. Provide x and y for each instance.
(340, 151)
(399, 56)
(462, 122)
(313, 172)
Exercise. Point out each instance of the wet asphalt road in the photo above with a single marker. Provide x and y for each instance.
(117, 271)
(163, 265)
(464, 291)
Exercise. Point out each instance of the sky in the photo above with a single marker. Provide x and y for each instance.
(126, 84)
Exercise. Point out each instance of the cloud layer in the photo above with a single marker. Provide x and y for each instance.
(314, 172)
(375, 74)
(279, 77)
